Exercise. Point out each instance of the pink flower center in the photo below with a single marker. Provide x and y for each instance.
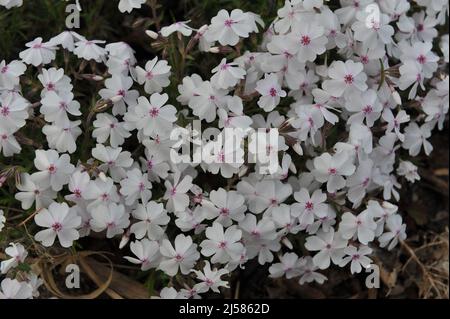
(256, 233)
(221, 157)
(149, 75)
(50, 86)
(305, 40)
(141, 186)
(332, 171)
(56, 227)
(4, 136)
(224, 212)
(273, 92)
(209, 282)
(4, 111)
(62, 105)
(149, 164)
(273, 202)
(364, 59)
(121, 92)
(37, 46)
(112, 125)
(222, 244)
(420, 27)
(77, 193)
(173, 191)
(309, 205)
(154, 112)
(4, 69)
(228, 23)
(224, 66)
(366, 182)
(367, 109)
(111, 225)
(178, 257)
(348, 79)
(421, 59)
(355, 257)
(52, 169)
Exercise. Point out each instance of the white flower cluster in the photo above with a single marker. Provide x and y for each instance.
(347, 92)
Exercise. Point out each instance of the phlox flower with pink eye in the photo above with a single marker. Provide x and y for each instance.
(10, 73)
(32, 189)
(146, 252)
(153, 219)
(109, 127)
(222, 245)
(38, 52)
(227, 28)
(155, 76)
(60, 222)
(210, 279)
(180, 257)
(17, 252)
(112, 217)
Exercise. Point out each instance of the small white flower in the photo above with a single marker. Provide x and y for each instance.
(362, 226)
(271, 92)
(331, 169)
(115, 161)
(108, 126)
(345, 78)
(395, 234)
(56, 106)
(10, 73)
(155, 77)
(60, 222)
(228, 28)
(416, 137)
(210, 279)
(112, 217)
(17, 253)
(33, 189)
(177, 199)
(227, 75)
(153, 218)
(154, 117)
(90, 50)
(147, 253)
(308, 206)
(330, 246)
(223, 246)
(357, 257)
(136, 186)
(183, 256)
(289, 266)
(62, 135)
(38, 52)
(180, 26)
(53, 169)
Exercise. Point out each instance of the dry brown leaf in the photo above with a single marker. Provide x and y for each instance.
(121, 284)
